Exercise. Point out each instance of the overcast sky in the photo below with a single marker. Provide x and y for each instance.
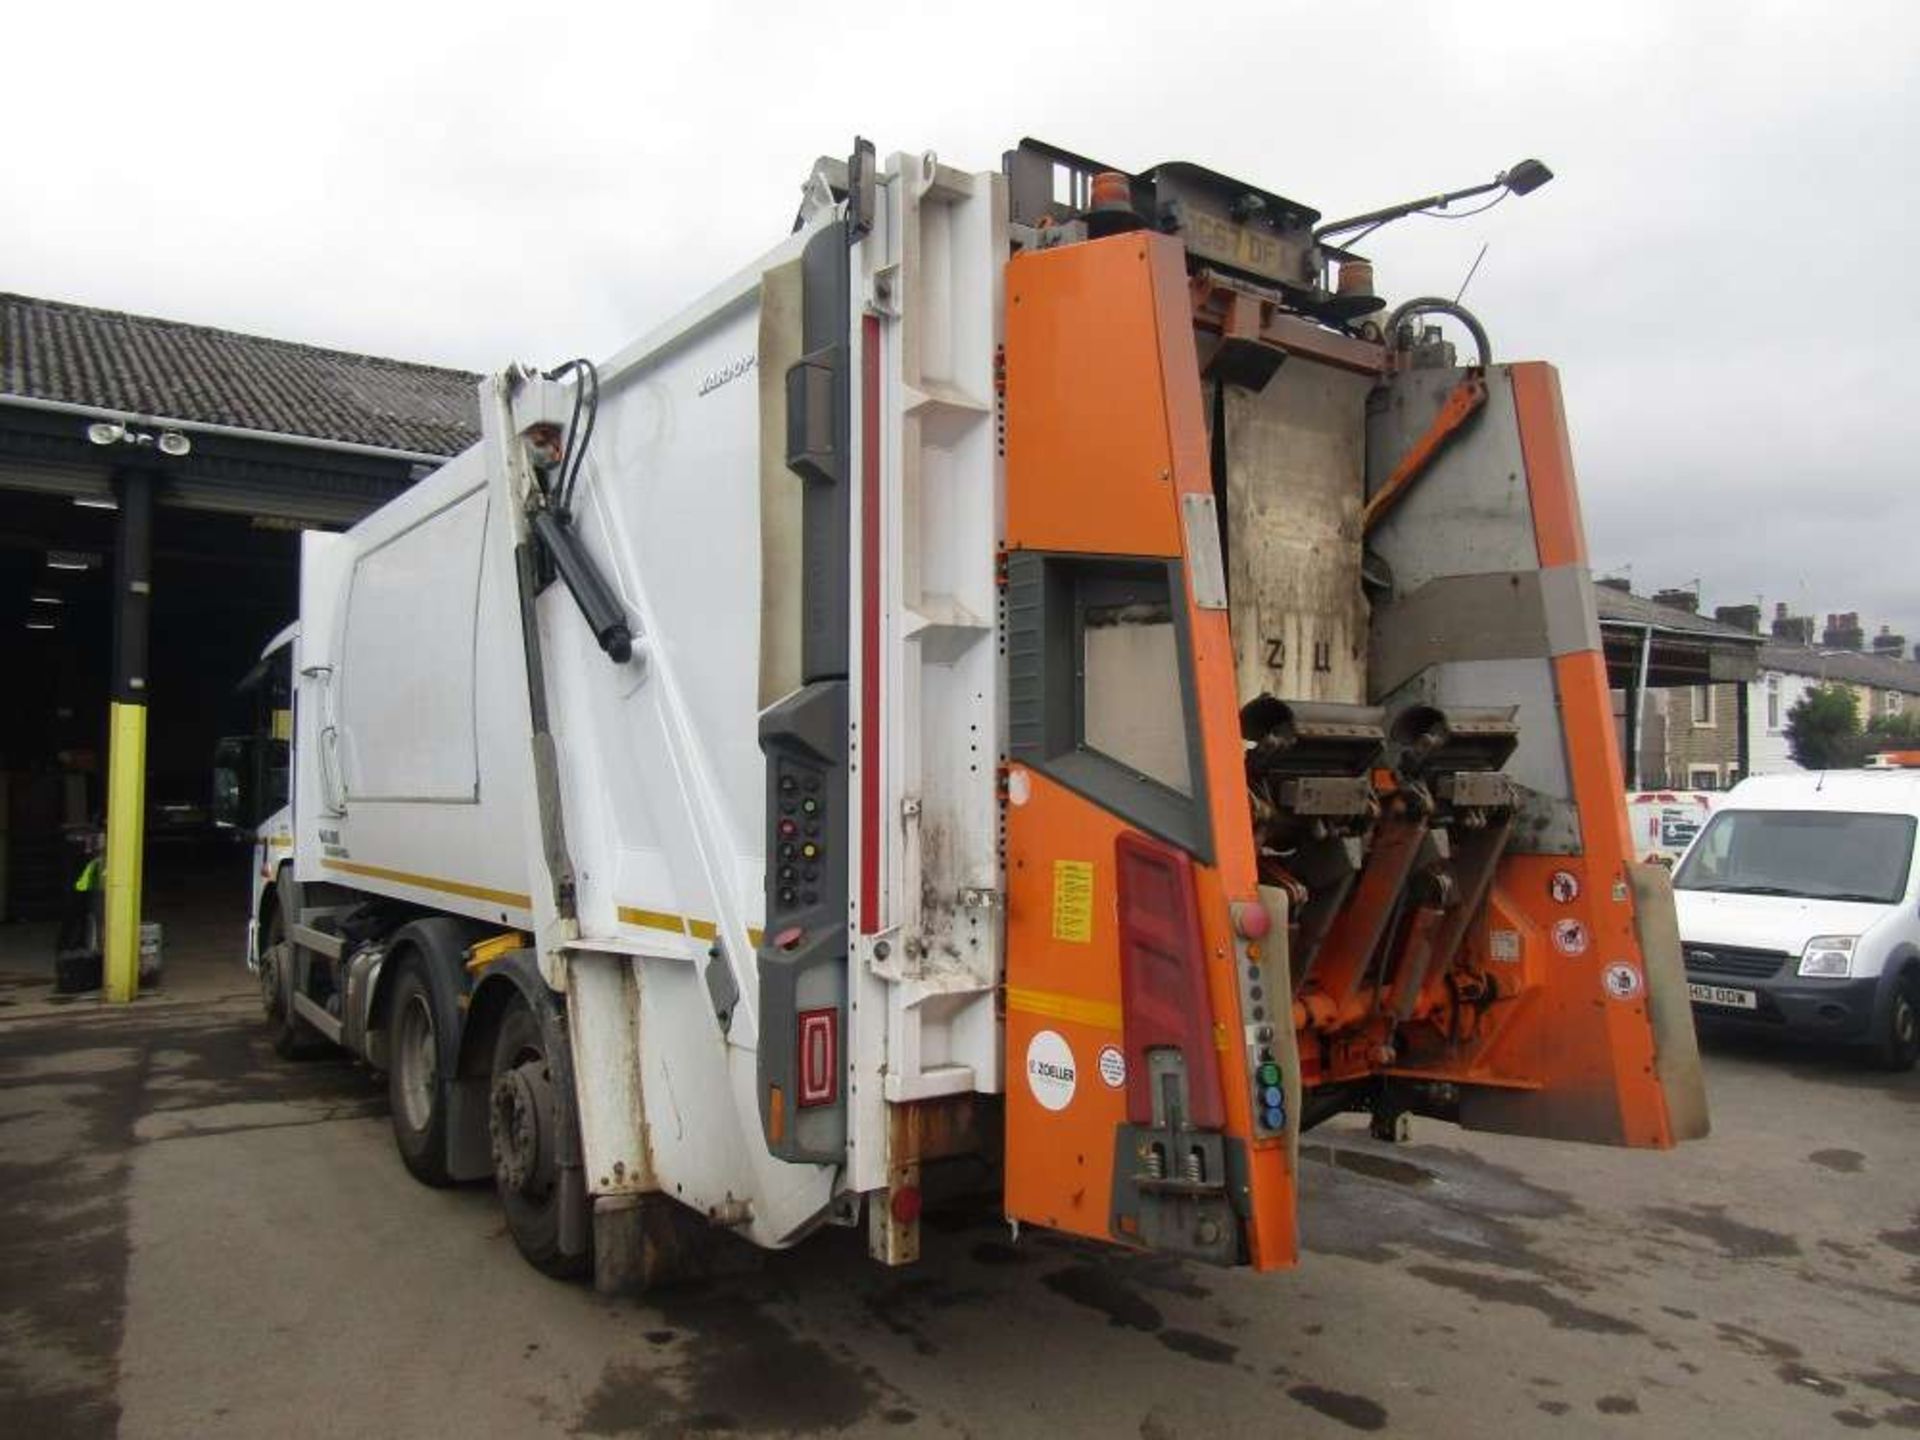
(1722, 269)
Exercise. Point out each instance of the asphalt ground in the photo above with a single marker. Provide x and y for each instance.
(199, 1239)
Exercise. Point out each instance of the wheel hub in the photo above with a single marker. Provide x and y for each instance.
(523, 1120)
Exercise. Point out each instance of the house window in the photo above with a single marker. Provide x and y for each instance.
(1891, 702)
(1773, 704)
(1703, 777)
(1703, 707)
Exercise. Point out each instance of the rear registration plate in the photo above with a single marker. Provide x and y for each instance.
(1723, 995)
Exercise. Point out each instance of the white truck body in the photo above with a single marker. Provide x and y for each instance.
(415, 779)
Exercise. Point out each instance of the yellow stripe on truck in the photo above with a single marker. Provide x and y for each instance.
(508, 898)
(678, 924)
(1053, 1006)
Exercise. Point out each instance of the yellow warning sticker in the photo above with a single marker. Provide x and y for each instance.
(1073, 901)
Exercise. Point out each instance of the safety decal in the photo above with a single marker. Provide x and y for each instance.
(1570, 937)
(1073, 901)
(1050, 1069)
(1504, 946)
(1113, 1067)
(1564, 887)
(1622, 981)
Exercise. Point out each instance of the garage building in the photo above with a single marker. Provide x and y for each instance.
(154, 478)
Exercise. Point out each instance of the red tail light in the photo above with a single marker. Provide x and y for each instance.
(819, 1037)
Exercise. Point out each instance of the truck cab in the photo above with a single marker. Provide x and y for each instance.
(252, 789)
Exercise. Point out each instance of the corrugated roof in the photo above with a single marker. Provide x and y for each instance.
(50, 350)
(1881, 672)
(1618, 605)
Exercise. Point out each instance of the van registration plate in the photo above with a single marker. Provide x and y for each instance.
(1723, 995)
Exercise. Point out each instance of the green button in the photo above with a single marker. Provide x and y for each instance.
(1269, 1074)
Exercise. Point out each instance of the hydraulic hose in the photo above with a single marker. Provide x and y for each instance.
(1435, 305)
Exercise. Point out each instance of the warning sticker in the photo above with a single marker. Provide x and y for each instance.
(1622, 980)
(1073, 901)
(1504, 946)
(1570, 937)
(1113, 1067)
(1050, 1069)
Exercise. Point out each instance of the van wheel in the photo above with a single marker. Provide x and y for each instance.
(1898, 1047)
(415, 1096)
(526, 1113)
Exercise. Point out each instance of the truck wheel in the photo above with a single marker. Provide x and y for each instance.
(1899, 1044)
(293, 1038)
(526, 1113)
(272, 956)
(415, 1097)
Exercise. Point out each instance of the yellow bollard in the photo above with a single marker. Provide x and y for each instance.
(126, 836)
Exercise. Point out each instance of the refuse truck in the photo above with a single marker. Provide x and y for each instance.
(1041, 683)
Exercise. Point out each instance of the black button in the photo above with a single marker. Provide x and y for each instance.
(810, 897)
(786, 896)
(813, 827)
(786, 807)
(786, 852)
(786, 783)
(813, 782)
(786, 872)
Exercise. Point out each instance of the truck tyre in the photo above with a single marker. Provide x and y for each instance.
(1898, 1046)
(418, 1055)
(527, 1111)
(273, 938)
(293, 1038)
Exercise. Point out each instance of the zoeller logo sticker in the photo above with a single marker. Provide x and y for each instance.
(1050, 1070)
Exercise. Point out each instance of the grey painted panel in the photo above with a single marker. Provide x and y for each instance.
(1515, 615)
(1468, 513)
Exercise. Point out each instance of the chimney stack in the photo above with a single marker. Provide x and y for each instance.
(1843, 632)
(1791, 629)
(1740, 617)
(1677, 599)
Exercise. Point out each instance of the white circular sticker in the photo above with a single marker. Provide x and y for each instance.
(1570, 937)
(1050, 1070)
(1564, 887)
(1622, 980)
(1113, 1067)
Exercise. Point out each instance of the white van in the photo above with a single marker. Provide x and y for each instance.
(1800, 910)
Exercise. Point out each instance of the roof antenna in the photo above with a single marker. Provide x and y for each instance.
(1471, 271)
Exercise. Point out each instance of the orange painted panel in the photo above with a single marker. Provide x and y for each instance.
(1089, 468)
(1063, 981)
(1548, 456)
(1105, 430)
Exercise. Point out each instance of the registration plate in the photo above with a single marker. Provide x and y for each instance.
(1723, 995)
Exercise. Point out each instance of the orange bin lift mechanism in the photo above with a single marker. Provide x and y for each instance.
(1514, 987)
(1105, 436)
(1543, 1018)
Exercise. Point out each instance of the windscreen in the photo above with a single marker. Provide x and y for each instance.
(1822, 855)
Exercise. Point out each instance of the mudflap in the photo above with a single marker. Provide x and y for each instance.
(1676, 1047)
